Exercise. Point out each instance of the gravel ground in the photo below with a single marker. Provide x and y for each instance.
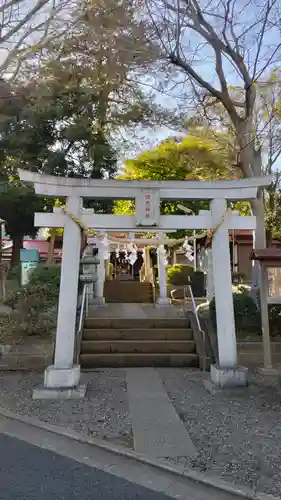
(237, 433)
(104, 413)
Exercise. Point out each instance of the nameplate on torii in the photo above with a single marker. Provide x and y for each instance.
(105, 222)
(147, 208)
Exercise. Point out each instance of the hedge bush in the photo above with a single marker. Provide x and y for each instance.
(15, 274)
(179, 274)
(48, 274)
(246, 313)
(36, 302)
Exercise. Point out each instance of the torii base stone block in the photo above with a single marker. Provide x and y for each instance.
(61, 383)
(229, 377)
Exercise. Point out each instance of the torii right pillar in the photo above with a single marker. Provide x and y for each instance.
(226, 373)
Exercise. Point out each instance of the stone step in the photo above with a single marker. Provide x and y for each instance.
(114, 360)
(132, 323)
(129, 300)
(128, 292)
(126, 286)
(137, 346)
(138, 334)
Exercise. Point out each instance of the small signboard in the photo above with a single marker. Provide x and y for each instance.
(29, 260)
(274, 281)
(26, 268)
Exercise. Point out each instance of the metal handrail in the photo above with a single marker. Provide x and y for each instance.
(202, 332)
(84, 310)
(84, 305)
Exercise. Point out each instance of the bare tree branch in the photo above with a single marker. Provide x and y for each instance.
(244, 44)
(25, 27)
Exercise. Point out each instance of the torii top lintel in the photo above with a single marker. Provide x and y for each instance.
(49, 185)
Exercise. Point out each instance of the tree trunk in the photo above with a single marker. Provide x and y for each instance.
(270, 208)
(17, 245)
(269, 238)
(50, 259)
(259, 236)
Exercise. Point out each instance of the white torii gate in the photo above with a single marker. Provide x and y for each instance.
(64, 374)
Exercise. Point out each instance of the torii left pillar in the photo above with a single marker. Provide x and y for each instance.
(62, 379)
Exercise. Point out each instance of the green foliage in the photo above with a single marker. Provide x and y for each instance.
(246, 314)
(51, 130)
(48, 126)
(189, 158)
(46, 274)
(35, 303)
(179, 274)
(17, 207)
(32, 298)
(273, 213)
(242, 288)
(15, 273)
(243, 207)
(32, 305)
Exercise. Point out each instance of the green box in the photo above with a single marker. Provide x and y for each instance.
(29, 255)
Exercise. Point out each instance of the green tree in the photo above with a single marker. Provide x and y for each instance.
(273, 215)
(192, 157)
(184, 158)
(106, 53)
(18, 203)
(47, 128)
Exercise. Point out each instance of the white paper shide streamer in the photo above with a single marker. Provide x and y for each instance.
(105, 247)
(188, 250)
(133, 253)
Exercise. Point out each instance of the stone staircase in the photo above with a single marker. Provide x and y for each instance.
(118, 291)
(128, 342)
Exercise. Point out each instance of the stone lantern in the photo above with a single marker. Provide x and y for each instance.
(90, 272)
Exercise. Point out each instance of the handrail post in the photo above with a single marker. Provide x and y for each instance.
(201, 332)
(87, 300)
(84, 309)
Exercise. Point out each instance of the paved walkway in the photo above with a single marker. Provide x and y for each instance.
(157, 428)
